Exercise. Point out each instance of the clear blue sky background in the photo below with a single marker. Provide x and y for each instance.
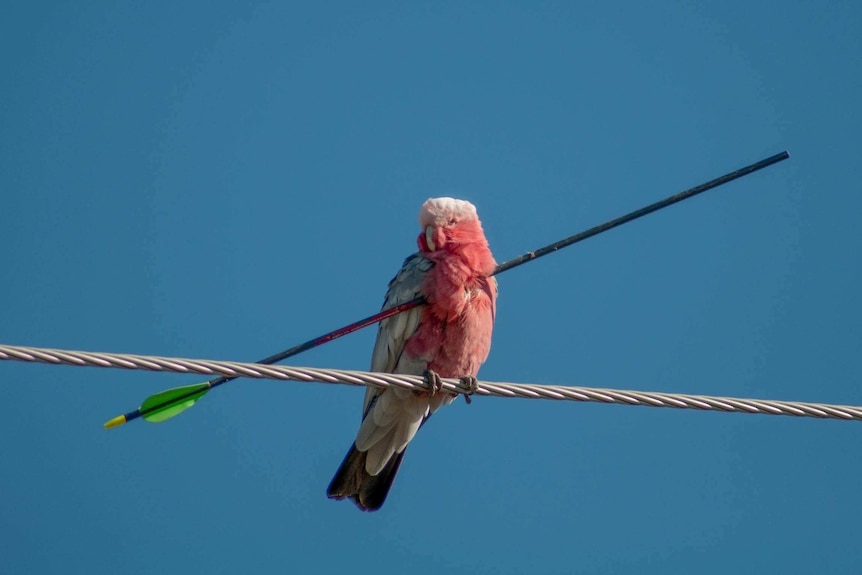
(227, 179)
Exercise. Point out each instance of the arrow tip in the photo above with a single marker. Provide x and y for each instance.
(116, 422)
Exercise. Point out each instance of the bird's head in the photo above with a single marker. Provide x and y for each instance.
(446, 223)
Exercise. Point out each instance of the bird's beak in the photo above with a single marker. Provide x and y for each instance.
(429, 238)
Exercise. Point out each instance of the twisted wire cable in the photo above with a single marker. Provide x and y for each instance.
(497, 389)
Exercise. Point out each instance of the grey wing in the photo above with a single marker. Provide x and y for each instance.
(392, 416)
(393, 333)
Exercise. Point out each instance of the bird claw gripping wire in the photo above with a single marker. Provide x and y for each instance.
(433, 381)
(472, 386)
(435, 384)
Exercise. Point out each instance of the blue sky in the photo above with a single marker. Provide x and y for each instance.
(228, 179)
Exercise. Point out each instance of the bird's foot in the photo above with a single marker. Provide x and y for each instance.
(472, 386)
(432, 380)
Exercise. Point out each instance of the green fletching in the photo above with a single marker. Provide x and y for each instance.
(169, 403)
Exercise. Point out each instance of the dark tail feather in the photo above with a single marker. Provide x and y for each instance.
(353, 481)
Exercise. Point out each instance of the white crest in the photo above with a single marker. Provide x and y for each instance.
(446, 212)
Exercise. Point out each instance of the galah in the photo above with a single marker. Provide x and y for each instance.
(450, 336)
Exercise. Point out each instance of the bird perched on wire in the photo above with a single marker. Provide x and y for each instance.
(450, 336)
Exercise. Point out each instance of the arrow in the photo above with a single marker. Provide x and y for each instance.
(170, 403)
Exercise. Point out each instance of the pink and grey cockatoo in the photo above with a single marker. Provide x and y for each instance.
(450, 336)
